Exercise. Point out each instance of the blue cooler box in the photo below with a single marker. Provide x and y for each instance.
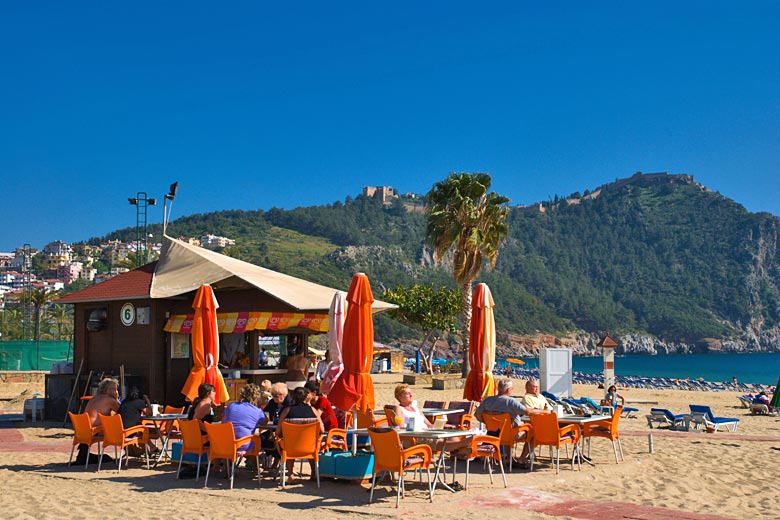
(190, 458)
(342, 464)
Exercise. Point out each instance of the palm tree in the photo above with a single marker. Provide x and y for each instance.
(61, 316)
(40, 299)
(463, 216)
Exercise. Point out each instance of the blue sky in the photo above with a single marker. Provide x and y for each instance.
(254, 105)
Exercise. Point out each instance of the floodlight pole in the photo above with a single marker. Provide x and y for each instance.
(141, 202)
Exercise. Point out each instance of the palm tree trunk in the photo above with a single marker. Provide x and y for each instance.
(465, 331)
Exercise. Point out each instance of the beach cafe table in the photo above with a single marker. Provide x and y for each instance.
(160, 422)
(440, 438)
(438, 412)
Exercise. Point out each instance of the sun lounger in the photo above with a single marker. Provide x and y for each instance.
(664, 417)
(702, 416)
(745, 400)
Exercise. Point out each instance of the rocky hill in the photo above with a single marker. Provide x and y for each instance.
(658, 260)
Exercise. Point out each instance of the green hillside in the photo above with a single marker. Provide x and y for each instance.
(656, 254)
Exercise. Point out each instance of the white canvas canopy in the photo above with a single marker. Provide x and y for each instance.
(183, 268)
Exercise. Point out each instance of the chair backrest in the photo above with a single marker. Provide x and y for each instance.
(387, 449)
(300, 439)
(550, 396)
(501, 422)
(364, 419)
(166, 426)
(701, 409)
(191, 436)
(222, 443)
(454, 419)
(435, 404)
(82, 428)
(546, 431)
(113, 430)
(615, 419)
(392, 418)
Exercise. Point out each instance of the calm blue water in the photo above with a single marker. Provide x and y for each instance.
(763, 368)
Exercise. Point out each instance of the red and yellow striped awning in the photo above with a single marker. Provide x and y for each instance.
(234, 322)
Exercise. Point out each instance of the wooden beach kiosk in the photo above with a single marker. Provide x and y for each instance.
(141, 320)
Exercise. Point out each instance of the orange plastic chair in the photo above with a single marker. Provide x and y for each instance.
(509, 435)
(84, 433)
(336, 439)
(390, 456)
(192, 441)
(487, 447)
(392, 419)
(607, 428)
(114, 434)
(548, 433)
(224, 445)
(364, 419)
(299, 441)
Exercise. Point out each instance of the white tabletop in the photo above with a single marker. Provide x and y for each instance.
(165, 417)
(439, 411)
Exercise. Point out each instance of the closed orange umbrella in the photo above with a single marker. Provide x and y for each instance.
(205, 347)
(482, 346)
(355, 388)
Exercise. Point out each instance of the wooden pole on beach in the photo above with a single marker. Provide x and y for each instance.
(73, 392)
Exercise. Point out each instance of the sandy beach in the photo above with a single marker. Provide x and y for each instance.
(691, 474)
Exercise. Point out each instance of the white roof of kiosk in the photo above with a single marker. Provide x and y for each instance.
(182, 268)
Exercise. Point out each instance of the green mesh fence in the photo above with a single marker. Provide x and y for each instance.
(33, 355)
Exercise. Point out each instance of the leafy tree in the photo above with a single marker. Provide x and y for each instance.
(464, 216)
(431, 311)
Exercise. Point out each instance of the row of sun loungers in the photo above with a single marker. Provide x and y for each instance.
(657, 383)
(700, 416)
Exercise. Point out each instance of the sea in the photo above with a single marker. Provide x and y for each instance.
(762, 368)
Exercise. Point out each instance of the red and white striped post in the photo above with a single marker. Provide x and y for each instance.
(608, 347)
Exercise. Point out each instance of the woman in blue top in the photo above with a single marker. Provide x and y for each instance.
(245, 415)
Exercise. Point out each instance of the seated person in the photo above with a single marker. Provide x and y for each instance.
(106, 402)
(320, 403)
(279, 401)
(532, 399)
(406, 409)
(202, 408)
(265, 393)
(133, 407)
(612, 397)
(503, 402)
(299, 409)
(245, 416)
(762, 398)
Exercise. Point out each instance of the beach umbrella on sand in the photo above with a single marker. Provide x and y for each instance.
(354, 388)
(482, 346)
(775, 403)
(205, 347)
(515, 361)
(336, 316)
